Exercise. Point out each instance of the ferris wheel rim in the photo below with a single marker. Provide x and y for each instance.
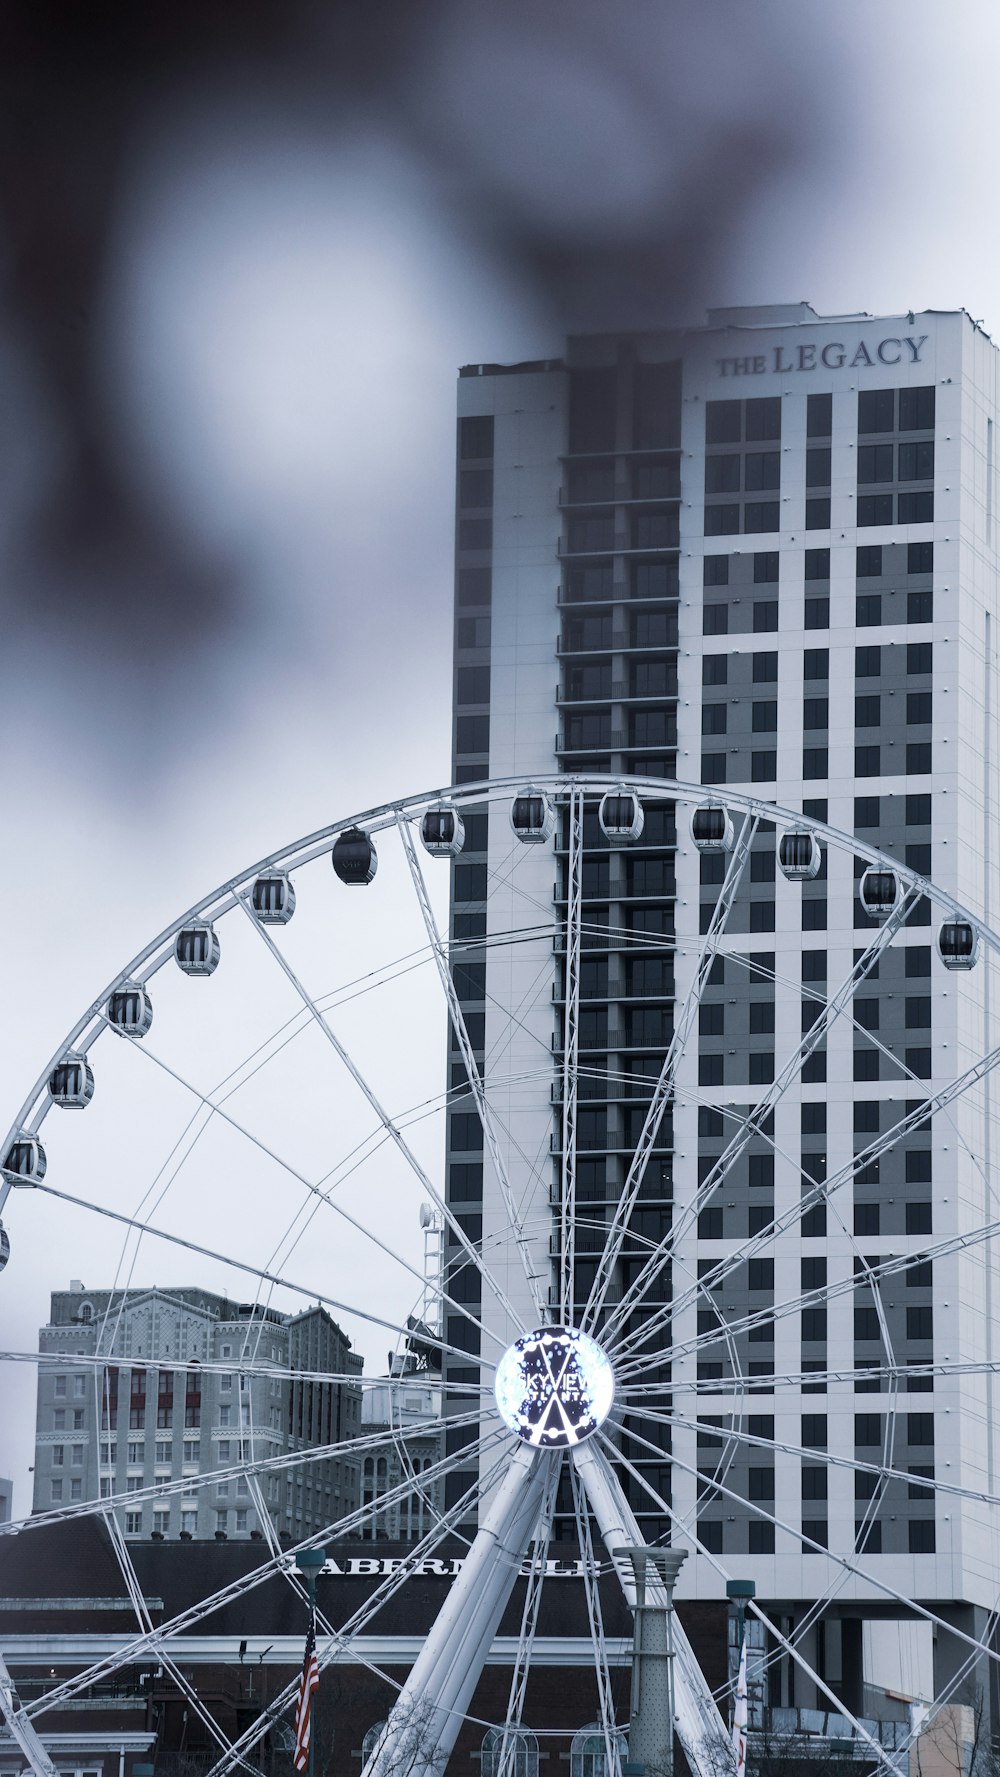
(147, 962)
(145, 965)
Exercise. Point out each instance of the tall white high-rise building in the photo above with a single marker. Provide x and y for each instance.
(761, 556)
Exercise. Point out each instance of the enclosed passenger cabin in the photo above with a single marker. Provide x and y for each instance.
(4, 1246)
(197, 948)
(532, 817)
(799, 855)
(442, 831)
(130, 1010)
(25, 1158)
(273, 898)
(958, 944)
(71, 1082)
(355, 859)
(878, 892)
(712, 827)
(620, 816)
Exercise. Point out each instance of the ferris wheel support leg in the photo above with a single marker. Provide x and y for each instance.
(21, 1729)
(428, 1713)
(700, 1728)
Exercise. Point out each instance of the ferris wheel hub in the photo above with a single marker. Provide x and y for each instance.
(554, 1387)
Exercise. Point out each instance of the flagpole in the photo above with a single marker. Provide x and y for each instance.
(309, 1563)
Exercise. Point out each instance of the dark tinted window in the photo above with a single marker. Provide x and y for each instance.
(916, 410)
(819, 416)
(475, 436)
(722, 422)
(876, 410)
(763, 419)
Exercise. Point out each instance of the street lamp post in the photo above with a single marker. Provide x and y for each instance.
(739, 1594)
(309, 1563)
(651, 1724)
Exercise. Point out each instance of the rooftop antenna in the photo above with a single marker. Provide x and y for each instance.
(432, 1223)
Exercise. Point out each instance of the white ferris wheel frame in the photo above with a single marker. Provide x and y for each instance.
(435, 1699)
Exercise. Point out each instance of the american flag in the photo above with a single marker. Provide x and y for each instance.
(308, 1683)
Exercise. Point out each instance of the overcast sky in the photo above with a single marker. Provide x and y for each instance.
(236, 290)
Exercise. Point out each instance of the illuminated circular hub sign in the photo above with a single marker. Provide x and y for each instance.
(554, 1387)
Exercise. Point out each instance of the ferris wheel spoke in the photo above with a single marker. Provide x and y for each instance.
(473, 1075)
(595, 1618)
(62, 1360)
(663, 1089)
(247, 1583)
(571, 1060)
(700, 1728)
(439, 1688)
(977, 1647)
(389, 1125)
(753, 1124)
(321, 1196)
(520, 1671)
(927, 1484)
(232, 1472)
(134, 1589)
(343, 1641)
(852, 1568)
(315, 1295)
(821, 1194)
(657, 1499)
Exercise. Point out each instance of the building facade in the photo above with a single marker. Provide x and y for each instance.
(121, 1427)
(758, 555)
(393, 1405)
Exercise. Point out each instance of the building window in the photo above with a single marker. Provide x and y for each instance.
(916, 508)
(877, 410)
(819, 416)
(916, 409)
(874, 509)
(722, 521)
(761, 471)
(920, 607)
(521, 1753)
(875, 463)
(133, 1523)
(920, 558)
(760, 1538)
(588, 1753)
(817, 613)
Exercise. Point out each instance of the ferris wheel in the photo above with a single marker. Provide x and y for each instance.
(657, 1234)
